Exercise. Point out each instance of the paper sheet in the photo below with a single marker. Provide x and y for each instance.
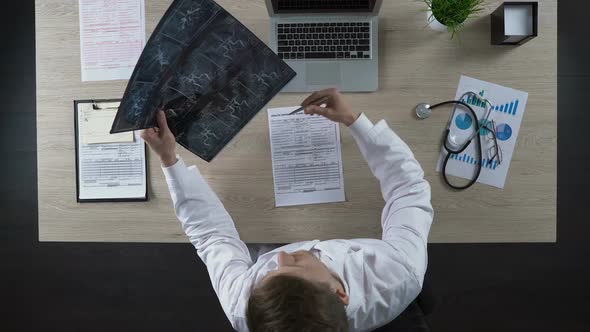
(111, 170)
(97, 125)
(306, 158)
(112, 36)
(507, 113)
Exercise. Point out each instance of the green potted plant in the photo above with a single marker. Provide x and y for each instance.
(450, 15)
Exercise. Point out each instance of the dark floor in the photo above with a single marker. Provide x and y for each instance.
(164, 287)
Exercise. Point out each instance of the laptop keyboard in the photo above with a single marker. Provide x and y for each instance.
(324, 4)
(304, 41)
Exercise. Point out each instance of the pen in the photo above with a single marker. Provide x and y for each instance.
(318, 102)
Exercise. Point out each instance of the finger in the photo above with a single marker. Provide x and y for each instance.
(162, 122)
(313, 109)
(317, 95)
(149, 134)
(145, 134)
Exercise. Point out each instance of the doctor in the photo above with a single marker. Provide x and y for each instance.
(335, 285)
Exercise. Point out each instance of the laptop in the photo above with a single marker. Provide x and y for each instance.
(329, 43)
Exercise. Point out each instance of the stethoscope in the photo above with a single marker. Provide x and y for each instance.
(450, 142)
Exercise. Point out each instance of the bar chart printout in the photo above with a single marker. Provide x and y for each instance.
(306, 158)
(507, 111)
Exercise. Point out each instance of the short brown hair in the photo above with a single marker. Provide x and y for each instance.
(286, 303)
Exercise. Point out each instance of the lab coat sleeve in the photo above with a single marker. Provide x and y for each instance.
(407, 215)
(212, 232)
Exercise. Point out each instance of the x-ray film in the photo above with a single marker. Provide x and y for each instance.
(208, 72)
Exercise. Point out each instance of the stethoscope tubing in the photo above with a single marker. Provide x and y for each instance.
(451, 151)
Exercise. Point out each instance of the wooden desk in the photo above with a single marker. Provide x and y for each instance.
(416, 64)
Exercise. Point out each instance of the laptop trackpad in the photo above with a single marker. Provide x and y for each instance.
(322, 73)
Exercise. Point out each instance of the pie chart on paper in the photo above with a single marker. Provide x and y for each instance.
(463, 121)
(503, 132)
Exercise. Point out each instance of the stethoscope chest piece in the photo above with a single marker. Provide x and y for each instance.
(423, 111)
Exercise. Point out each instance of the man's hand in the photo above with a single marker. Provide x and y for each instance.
(161, 140)
(337, 109)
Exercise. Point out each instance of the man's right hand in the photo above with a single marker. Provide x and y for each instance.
(161, 140)
(337, 109)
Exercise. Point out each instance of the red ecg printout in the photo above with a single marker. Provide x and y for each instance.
(112, 36)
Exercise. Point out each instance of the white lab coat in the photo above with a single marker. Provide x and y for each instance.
(381, 277)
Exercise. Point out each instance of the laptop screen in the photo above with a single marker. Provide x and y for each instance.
(322, 6)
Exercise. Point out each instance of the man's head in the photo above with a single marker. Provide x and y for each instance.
(301, 295)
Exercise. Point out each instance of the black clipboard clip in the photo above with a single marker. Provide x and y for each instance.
(97, 106)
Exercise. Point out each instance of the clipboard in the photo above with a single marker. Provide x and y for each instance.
(99, 166)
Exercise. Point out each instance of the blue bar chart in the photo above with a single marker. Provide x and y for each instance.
(469, 159)
(475, 100)
(508, 108)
